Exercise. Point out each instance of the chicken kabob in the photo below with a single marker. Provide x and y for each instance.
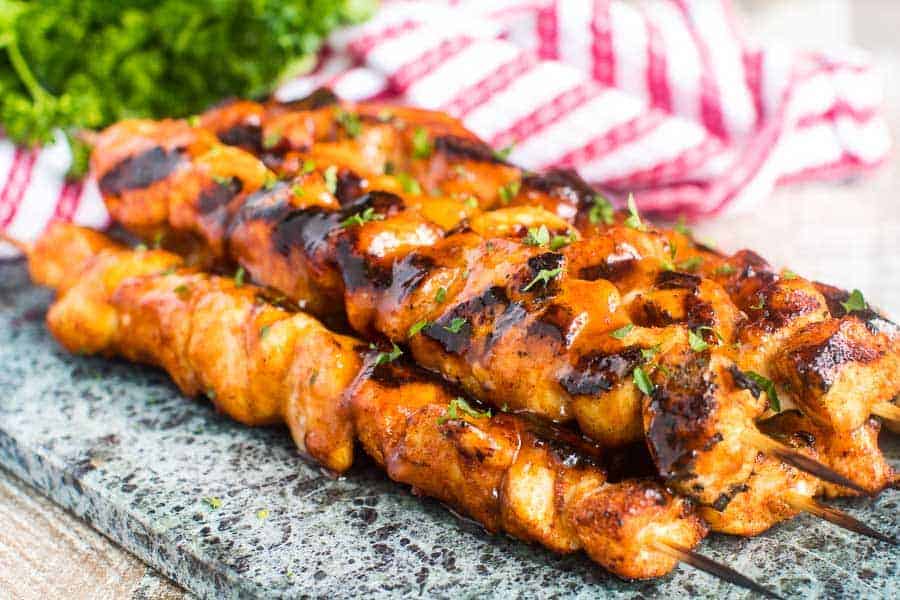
(261, 363)
(282, 213)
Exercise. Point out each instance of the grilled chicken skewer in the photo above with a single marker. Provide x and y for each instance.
(260, 364)
(163, 303)
(294, 242)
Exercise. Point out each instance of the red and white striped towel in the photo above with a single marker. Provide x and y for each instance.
(667, 99)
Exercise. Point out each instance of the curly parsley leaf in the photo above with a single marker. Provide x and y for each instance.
(459, 405)
(855, 302)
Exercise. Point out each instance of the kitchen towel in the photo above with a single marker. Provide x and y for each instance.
(667, 99)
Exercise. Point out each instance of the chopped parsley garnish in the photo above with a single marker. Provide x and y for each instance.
(696, 341)
(158, 240)
(623, 331)
(269, 182)
(509, 191)
(767, 386)
(760, 304)
(417, 327)
(262, 513)
(384, 358)
(725, 269)
(222, 180)
(213, 502)
(456, 325)
(634, 218)
(298, 191)
(602, 211)
(169, 271)
(264, 330)
(649, 353)
(271, 140)
(537, 236)
(690, 264)
(544, 276)
(140, 248)
(855, 302)
(331, 179)
(642, 381)
(239, 277)
(788, 275)
(421, 144)
(313, 378)
(182, 290)
(459, 405)
(349, 121)
(211, 393)
(681, 226)
(409, 185)
(309, 165)
(503, 153)
(560, 241)
(441, 295)
(472, 202)
(388, 168)
(362, 217)
(193, 120)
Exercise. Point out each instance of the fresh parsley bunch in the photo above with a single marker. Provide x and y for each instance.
(75, 64)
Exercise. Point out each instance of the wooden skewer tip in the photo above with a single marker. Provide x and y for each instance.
(837, 517)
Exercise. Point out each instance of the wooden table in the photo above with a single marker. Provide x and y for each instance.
(845, 233)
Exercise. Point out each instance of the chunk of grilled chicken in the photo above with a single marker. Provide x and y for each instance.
(260, 364)
(386, 256)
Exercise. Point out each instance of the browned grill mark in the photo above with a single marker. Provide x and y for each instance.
(140, 171)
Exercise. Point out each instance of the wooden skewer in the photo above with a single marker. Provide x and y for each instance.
(798, 460)
(714, 568)
(838, 517)
(887, 411)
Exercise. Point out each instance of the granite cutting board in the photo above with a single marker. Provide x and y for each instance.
(228, 511)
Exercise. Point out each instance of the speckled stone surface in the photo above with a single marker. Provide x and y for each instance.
(117, 445)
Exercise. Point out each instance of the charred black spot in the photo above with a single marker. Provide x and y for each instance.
(569, 448)
(319, 98)
(698, 313)
(628, 462)
(383, 203)
(875, 321)
(218, 196)
(743, 382)
(651, 314)
(564, 184)
(248, 137)
(397, 373)
(454, 343)
(725, 498)
(676, 280)
(140, 171)
(514, 313)
(481, 311)
(360, 270)
(409, 273)
(306, 229)
(560, 318)
(547, 261)
(466, 149)
(597, 372)
(350, 186)
(610, 270)
(817, 365)
(546, 331)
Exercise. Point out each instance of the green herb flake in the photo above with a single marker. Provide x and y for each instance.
(239, 277)
(681, 226)
(509, 191)
(213, 502)
(855, 302)
(297, 190)
(140, 248)
(349, 121)
(537, 236)
(788, 275)
(472, 202)
(622, 332)
(690, 264)
(169, 271)
(330, 176)
(182, 290)
(601, 211)
(417, 327)
(561, 241)
(409, 184)
(211, 393)
(309, 166)
(361, 218)
(649, 353)
(388, 168)
(222, 180)
(193, 120)
(503, 153)
(459, 405)
(158, 240)
(544, 276)
(634, 218)
(456, 325)
(262, 514)
(384, 358)
(766, 385)
(642, 381)
(271, 139)
(760, 304)
(696, 341)
(421, 143)
(264, 330)
(725, 270)
(441, 295)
